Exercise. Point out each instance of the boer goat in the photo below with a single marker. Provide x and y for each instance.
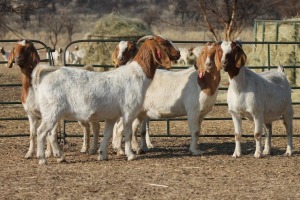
(26, 57)
(90, 97)
(262, 98)
(123, 53)
(173, 94)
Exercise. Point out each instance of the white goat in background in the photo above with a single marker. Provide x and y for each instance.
(262, 98)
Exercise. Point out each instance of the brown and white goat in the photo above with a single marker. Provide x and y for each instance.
(88, 96)
(189, 92)
(262, 98)
(27, 62)
(123, 53)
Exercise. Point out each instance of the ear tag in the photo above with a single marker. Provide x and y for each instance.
(158, 54)
(201, 75)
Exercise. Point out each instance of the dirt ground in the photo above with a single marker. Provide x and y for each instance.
(167, 171)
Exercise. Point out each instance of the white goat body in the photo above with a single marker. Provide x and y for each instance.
(91, 96)
(262, 98)
(173, 94)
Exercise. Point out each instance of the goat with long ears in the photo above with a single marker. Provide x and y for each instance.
(92, 96)
(123, 53)
(262, 98)
(182, 93)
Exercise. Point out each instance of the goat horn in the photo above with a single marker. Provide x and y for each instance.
(144, 38)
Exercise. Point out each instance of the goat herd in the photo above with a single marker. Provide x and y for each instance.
(136, 91)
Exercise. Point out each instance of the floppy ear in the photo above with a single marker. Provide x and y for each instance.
(114, 58)
(160, 56)
(34, 55)
(11, 58)
(240, 58)
(218, 57)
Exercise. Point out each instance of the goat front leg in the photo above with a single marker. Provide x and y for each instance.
(145, 137)
(42, 131)
(128, 136)
(258, 123)
(33, 128)
(96, 130)
(108, 130)
(268, 135)
(134, 141)
(86, 136)
(194, 125)
(237, 122)
(52, 139)
(117, 137)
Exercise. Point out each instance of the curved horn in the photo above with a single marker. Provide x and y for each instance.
(144, 38)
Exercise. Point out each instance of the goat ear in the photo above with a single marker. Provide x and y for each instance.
(218, 57)
(11, 57)
(35, 57)
(240, 58)
(114, 58)
(161, 57)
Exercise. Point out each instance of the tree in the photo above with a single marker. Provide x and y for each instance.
(54, 26)
(69, 24)
(20, 9)
(233, 16)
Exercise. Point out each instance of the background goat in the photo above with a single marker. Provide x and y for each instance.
(123, 53)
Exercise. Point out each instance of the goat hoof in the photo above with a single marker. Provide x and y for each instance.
(48, 154)
(29, 155)
(83, 150)
(131, 157)
(196, 152)
(103, 158)
(120, 152)
(42, 161)
(61, 159)
(266, 152)
(258, 155)
(139, 151)
(236, 155)
(288, 154)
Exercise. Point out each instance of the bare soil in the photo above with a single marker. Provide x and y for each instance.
(167, 171)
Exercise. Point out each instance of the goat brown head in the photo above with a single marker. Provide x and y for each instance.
(123, 52)
(208, 60)
(24, 54)
(233, 57)
(162, 50)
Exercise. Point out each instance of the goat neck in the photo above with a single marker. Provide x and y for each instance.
(209, 82)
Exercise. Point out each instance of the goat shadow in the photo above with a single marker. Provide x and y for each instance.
(208, 149)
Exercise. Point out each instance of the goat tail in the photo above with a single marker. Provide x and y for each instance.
(280, 68)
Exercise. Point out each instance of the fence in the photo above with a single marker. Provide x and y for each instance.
(251, 46)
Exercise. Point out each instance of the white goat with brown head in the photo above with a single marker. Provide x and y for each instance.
(27, 58)
(262, 98)
(189, 92)
(123, 53)
(92, 96)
